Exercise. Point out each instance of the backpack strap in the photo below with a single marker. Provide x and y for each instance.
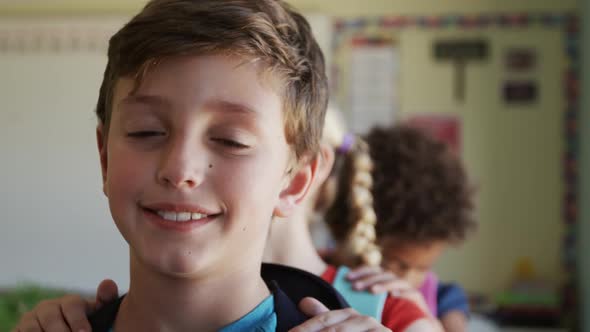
(362, 301)
(298, 284)
(289, 286)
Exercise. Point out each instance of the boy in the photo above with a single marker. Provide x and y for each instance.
(208, 114)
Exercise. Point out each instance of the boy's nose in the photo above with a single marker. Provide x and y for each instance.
(181, 168)
(179, 180)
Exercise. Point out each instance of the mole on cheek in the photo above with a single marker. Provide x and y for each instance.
(210, 165)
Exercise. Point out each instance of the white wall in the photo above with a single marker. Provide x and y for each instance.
(56, 229)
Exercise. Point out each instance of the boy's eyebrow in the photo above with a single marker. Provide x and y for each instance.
(214, 104)
(230, 106)
(146, 99)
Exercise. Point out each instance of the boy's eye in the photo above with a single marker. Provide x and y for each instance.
(230, 143)
(145, 133)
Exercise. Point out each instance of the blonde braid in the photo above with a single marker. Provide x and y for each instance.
(361, 240)
(352, 217)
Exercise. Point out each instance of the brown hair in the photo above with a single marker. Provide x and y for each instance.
(420, 191)
(268, 31)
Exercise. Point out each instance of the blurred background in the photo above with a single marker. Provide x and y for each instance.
(499, 80)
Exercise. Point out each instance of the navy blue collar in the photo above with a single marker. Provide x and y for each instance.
(296, 284)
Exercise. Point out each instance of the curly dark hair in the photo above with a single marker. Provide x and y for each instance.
(421, 190)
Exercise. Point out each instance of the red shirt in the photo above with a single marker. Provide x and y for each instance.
(398, 313)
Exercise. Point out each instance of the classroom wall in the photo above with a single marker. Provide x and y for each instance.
(512, 152)
(520, 192)
(55, 227)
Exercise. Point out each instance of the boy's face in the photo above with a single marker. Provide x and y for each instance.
(201, 142)
(411, 261)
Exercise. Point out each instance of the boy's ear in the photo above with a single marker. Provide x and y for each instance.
(297, 187)
(102, 153)
(327, 155)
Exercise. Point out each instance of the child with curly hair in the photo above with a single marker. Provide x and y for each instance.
(413, 201)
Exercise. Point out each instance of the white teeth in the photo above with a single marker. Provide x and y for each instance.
(196, 216)
(170, 216)
(183, 216)
(180, 216)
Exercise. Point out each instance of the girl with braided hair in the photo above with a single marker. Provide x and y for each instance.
(402, 199)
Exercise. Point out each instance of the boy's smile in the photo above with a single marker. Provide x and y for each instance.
(195, 164)
(178, 217)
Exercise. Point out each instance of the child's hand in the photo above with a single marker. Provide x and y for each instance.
(335, 320)
(68, 313)
(377, 280)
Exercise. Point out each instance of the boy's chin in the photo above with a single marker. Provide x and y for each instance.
(180, 265)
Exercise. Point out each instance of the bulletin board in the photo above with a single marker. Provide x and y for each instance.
(347, 30)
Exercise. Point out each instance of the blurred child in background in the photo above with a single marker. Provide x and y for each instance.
(418, 190)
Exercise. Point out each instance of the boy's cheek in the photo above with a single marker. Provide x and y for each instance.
(125, 173)
(249, 176)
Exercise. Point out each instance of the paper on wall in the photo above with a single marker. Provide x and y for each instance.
(374, 72)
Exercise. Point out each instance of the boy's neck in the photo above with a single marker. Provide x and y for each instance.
(156, 302)
(290, 244)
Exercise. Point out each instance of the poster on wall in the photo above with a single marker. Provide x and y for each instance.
(374, 68)
(520, 86)
(460, 52)
(443, 127)
(520, 59)
(520, 91)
